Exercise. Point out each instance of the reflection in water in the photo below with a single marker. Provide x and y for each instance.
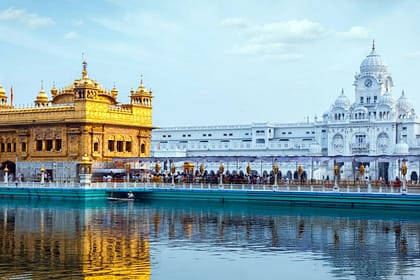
(97, 240)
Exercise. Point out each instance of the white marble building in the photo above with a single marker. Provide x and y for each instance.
(375, 124)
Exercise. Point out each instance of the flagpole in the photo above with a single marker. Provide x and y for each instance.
(11, 95)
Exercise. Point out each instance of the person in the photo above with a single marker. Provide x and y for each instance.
(130, 195)
(397, 182)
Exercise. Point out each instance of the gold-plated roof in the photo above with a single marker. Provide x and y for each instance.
(2, 91)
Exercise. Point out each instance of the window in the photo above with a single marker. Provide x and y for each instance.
(39, 145)
(111, 144)
(128, 147)
(119, 146)
(2, 147)
(49, 145)
(58, 144)
(23, 146)
(96, 147)
(143, 148)
(14, 147)
(9, 147)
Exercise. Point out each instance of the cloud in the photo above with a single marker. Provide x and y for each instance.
(71, 35)
(276, 40)
(27, 19)
(355, 33)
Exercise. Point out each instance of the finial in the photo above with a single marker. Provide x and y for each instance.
(141, 79)
(84, 63)
(373, 45)
(402, 93)
(42, 85)
(342, 91)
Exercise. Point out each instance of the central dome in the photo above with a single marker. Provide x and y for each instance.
(373, 63)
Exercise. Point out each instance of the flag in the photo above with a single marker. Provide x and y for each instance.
(11, 95)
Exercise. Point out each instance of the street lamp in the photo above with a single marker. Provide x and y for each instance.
(42, 175)
(173, 169)
(221, 170)
(336, 172)
(276, 172)
(404, 172)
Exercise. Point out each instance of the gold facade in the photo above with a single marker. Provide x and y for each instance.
(80, 119)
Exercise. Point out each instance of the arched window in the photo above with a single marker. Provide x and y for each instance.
(143, 148)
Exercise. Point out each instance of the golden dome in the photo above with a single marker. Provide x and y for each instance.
(141, 90)
(114, 92)
(42, 96)
(54, 91)
(2, 91)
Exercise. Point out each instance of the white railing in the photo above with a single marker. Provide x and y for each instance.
(259, 187)
(362, 188)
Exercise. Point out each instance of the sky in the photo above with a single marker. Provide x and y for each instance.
(213, 62)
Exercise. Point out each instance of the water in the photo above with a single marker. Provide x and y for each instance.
(201, 240)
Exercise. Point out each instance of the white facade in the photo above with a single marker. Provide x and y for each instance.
(375, 124)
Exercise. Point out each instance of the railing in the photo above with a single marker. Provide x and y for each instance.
(329, 187)
(318, 186)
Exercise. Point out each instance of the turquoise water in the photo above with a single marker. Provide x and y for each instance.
(200, 240)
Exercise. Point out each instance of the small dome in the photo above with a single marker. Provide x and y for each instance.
(114, 92)
(2, 91)
(373, 63)
(42, 96)
(403, 104)
(342, 101)
(386, 99)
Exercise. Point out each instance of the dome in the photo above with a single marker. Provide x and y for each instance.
(373, 63)
(42, 96)
(404, 104)
(2, 91)
(342, 101)
(386, 99)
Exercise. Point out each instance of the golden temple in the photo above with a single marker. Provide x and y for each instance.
(80, 119)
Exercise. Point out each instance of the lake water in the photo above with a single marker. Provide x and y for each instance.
(201, 240)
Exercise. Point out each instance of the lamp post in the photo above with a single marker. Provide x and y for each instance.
(221, 170)
(300, 172)
(362, 171)
(336, 172)
(404, 172)
(42, 175)
(6, 175)
(276, 172)
(173, 169)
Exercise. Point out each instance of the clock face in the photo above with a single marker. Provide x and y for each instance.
(368, 83)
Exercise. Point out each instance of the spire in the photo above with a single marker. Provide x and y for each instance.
(342, 91)
(42, 85)
(84, 63)
(373, 45)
